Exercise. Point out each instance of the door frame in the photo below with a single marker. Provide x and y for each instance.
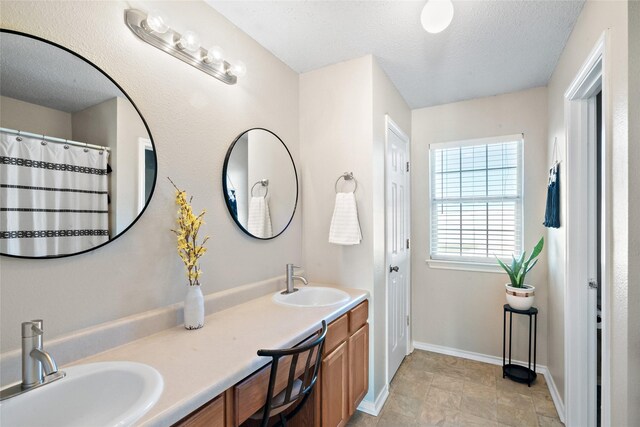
(392, 126)
(580, 404)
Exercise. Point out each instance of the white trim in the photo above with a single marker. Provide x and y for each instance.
(392, 126)
(579, 398)
(374, 408)
(555, 394)
(494, 360)
(465, 266)
(471, 355)
(478, 141)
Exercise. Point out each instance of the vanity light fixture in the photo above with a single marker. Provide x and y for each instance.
(152, 28)
(436, 15)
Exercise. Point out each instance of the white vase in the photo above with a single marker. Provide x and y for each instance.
(520, 298)
(194, 308)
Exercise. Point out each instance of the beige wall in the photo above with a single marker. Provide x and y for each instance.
(24, 116)
(193, 118)
(336, 136)
(596, 17)
(342, 129)
(634, 206)
(463, 309)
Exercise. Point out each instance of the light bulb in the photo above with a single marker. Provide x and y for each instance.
(436, 15)
(237, 68)
(189, 41)
(215, 55)
(155, 22)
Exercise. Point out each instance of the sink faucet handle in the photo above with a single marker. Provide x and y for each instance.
(32, 328)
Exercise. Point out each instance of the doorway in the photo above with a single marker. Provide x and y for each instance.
(587, 270)
(397, 245)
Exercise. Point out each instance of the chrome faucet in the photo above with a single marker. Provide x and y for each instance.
(38, 367)
(290, 278)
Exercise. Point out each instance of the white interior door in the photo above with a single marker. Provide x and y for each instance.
(397, 246)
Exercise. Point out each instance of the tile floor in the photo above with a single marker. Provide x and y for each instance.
(432, 389)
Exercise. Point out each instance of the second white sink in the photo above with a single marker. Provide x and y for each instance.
(315, 296)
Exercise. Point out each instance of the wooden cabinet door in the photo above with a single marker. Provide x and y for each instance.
(335, 387)
(358, 346)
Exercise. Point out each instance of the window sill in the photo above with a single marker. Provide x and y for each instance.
(464, 266)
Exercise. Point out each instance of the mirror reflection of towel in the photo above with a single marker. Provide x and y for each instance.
(345, 226)
(259, 222)
(233, 203)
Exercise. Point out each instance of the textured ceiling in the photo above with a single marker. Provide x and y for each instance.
(491, 47)
(42, 74)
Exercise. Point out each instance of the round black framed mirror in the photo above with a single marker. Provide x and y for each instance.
(78, 162)
(260, 183)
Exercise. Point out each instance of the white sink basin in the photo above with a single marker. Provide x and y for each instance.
(95, 394)
(315, 296)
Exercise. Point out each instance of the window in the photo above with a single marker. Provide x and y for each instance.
(476, 199)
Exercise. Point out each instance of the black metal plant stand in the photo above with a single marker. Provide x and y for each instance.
(515, 372)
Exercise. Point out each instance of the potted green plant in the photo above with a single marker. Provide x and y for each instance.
(519, 294)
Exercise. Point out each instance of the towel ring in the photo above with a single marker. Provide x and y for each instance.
(347, 176)
(264, 183)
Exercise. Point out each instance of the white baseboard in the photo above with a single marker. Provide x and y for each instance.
(494, 360)
(374, 408)
(553, 390)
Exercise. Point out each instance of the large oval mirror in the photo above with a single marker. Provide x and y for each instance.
(260, 183)
(78, 164)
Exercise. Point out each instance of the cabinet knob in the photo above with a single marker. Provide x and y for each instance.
(393, 268)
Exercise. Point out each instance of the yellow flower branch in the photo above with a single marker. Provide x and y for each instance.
(189, 224)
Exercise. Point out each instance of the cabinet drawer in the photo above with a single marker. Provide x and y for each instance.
(251, 393)
(211, 414)
(358, 316)
(337, 332)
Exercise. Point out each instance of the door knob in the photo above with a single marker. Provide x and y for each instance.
(394, 268)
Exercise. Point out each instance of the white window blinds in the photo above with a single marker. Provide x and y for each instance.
(476, 199)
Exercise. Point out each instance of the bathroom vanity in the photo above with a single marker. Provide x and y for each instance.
(213, 376)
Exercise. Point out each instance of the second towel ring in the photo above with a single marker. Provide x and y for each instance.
(264, 183)
(347, 176)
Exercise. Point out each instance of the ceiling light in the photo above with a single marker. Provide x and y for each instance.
(436, 15)
(215, 55)
(237, 68)
(155, 22)
(151, 28)
(189, 41)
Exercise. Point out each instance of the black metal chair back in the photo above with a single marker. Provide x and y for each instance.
(295, 389)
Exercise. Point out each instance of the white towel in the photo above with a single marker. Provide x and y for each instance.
(345, 227)
(259, 222)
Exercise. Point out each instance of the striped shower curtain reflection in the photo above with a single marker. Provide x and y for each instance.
(53, 197)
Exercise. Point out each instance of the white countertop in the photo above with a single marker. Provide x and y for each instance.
(200, 364)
